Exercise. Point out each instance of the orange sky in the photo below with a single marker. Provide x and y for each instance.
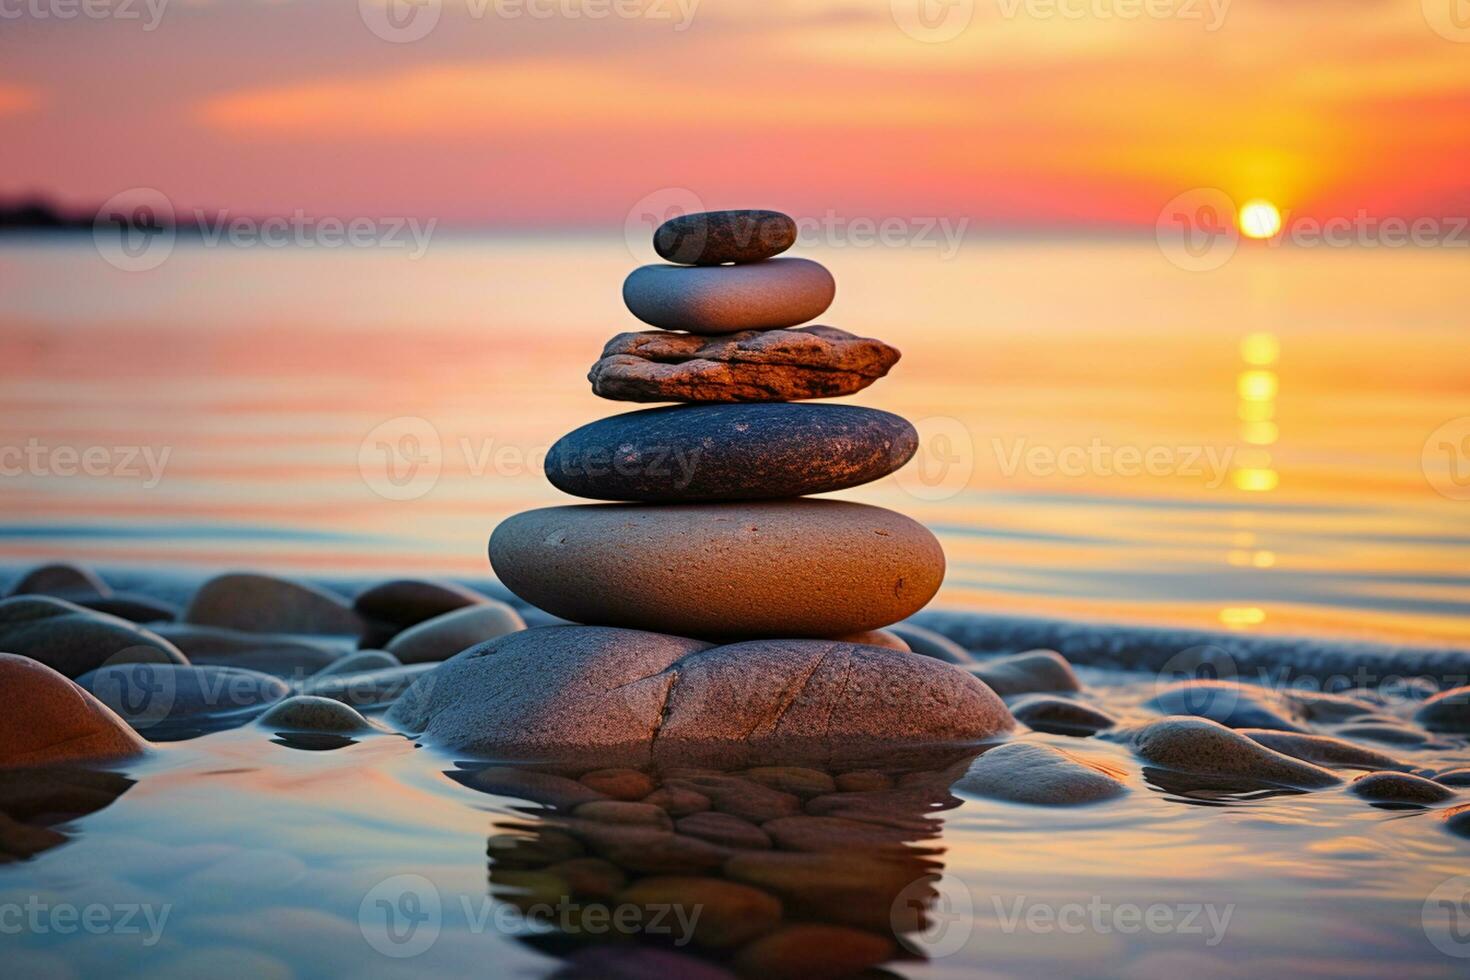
(1036, 112)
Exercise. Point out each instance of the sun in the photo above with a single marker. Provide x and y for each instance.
(1259, 219)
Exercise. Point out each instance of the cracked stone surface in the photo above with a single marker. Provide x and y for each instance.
(751, 366)
(638, 698)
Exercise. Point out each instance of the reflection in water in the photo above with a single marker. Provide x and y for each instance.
(33, 802)
(772, 871)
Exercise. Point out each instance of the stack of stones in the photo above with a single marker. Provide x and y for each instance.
(713, 534)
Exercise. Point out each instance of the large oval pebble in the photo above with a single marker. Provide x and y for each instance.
(730, 452)
(728, 299)
(788, 568)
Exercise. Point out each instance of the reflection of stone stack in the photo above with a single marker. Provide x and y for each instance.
(712, 542)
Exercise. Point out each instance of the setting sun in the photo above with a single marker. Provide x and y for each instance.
(1259, 219)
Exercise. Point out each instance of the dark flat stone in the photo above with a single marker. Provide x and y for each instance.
(714, 237)
(729, 452)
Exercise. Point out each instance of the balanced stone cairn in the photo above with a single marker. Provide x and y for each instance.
(714, 535)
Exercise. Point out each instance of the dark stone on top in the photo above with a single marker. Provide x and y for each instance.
(714, 237)
(729, 452)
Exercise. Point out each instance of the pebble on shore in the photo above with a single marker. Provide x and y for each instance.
(50, 719)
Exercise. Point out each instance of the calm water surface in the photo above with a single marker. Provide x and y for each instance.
(1268, 447)
(1106, 435)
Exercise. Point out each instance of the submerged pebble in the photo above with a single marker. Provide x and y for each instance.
(1026, 772)
(1324, 750)
(1203, 747)
(1061, 716)
(1399, 787)
(305, 713)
